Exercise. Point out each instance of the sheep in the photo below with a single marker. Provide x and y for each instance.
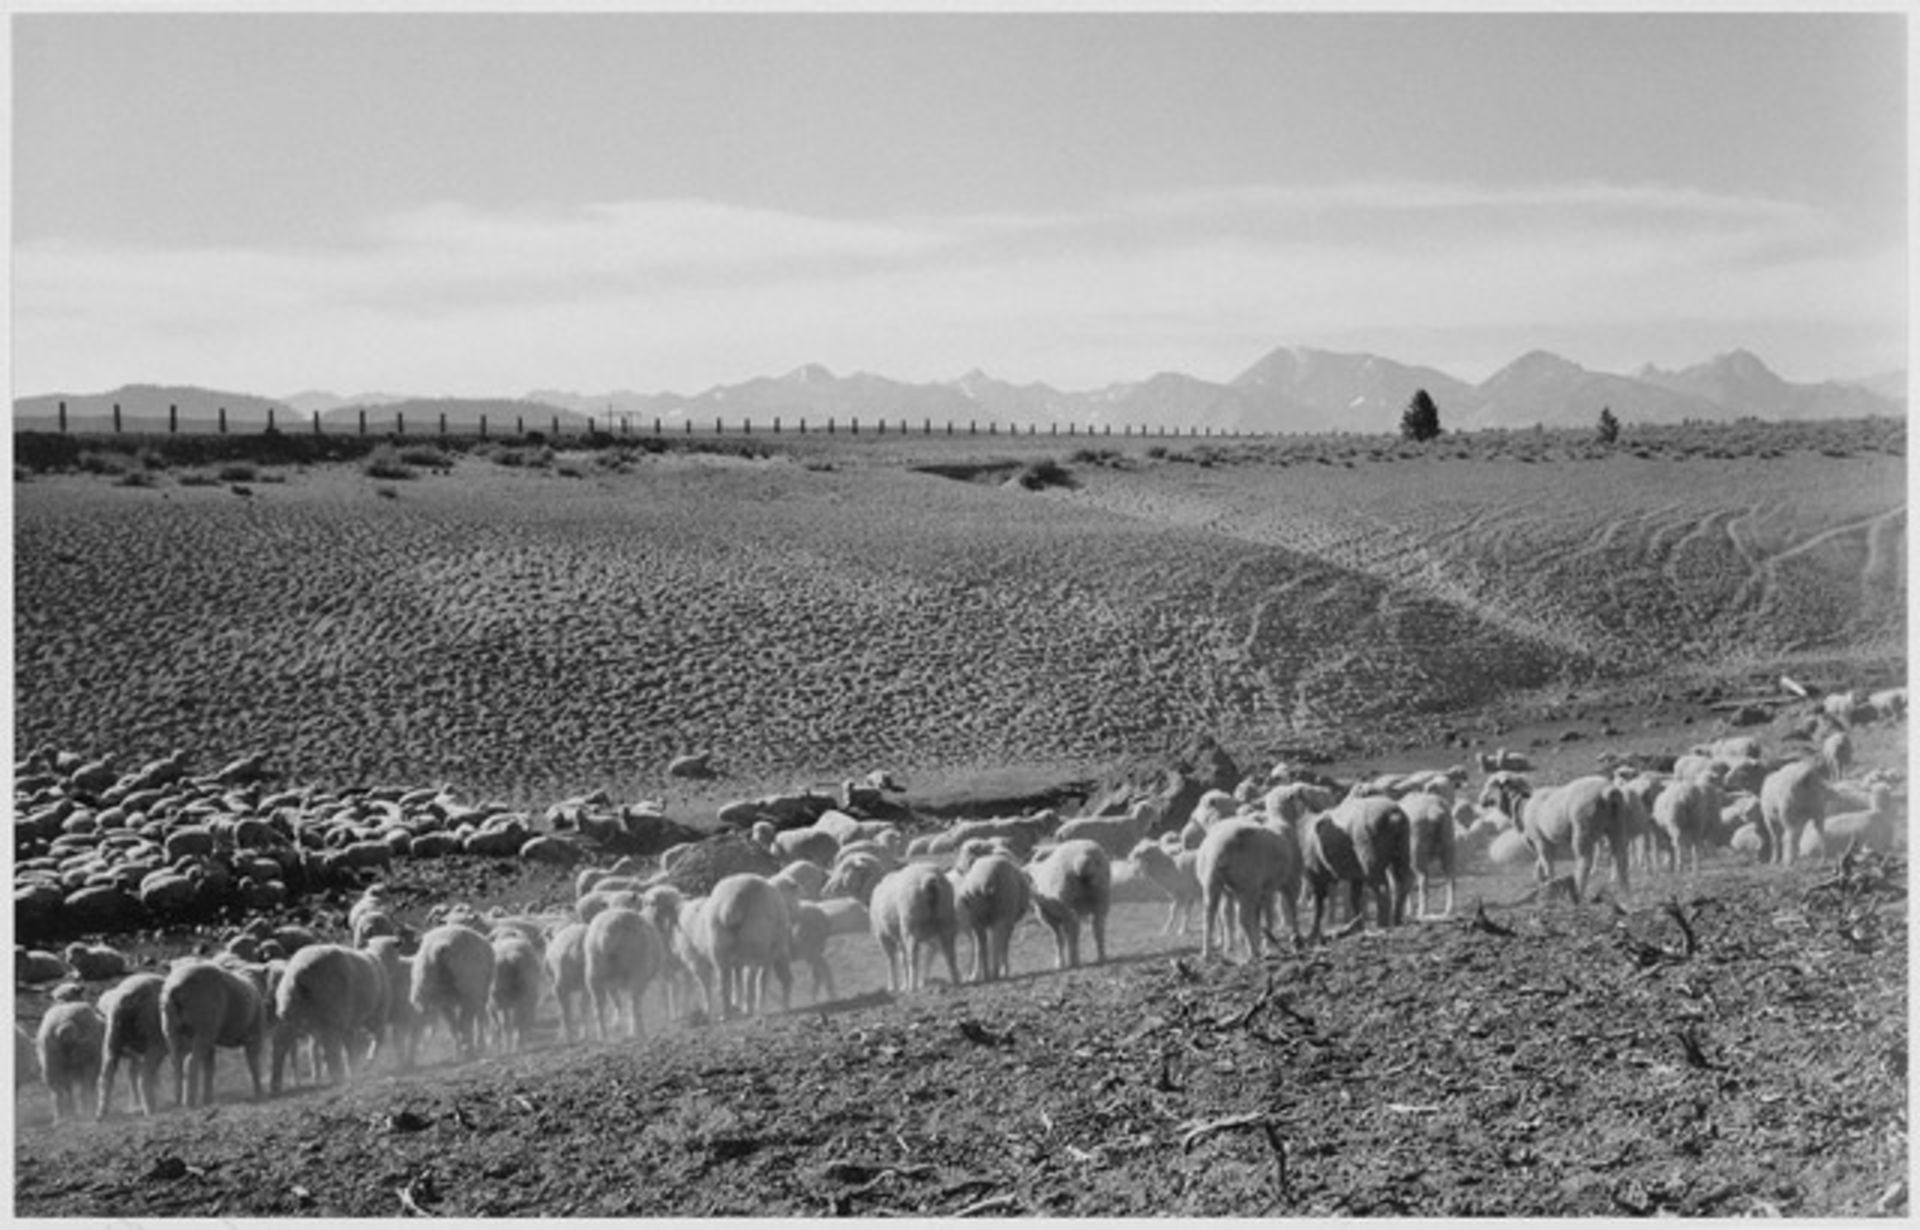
(622, 953)
(1176, 876)
(334, 993)
(205, 1005)
(1792, 796)
(1688, 812)
(1889, 704)
(1293, 802)
(1072, 882)
(1836, 751)
(26, 1060)
(1732, 748)
(1503, 761)
(994, 895)
(518, 982)
(1841, 707)
(33, 967)
(740, 933)
(1366, 843)
(879, 851)
(133, 1032)
(566, 962)
(370, 924)
(844, 828)
(1023, 833)
(912, 908)
(854, 876)
(1645, 839)
(452, 980)
(811, 929)
(1431, 829)
(812, 844)
(97, 963)
(1117, 835)
(1249, 863)
(1574, 818)
(1873, 828)
(801, 880)
(69, 1045)
(403, 1022)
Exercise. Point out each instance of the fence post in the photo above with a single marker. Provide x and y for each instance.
(63, 418)
(399, 422)
(316, 422)
(803, 426)
(443, 424)
(719, 428)
(746, 427)
(992, 427)
(173, 418)
(269, 418)
(689, 425)
(589, 424)
(116, 418)
(776, 424)
(656, 427)
(1109, 428)
(973, 427)
(520, 425)
(556, 426)
(483, 427)
(829, 424)
(883, 426)
(949, 426)
(223, 421)
(363, 421)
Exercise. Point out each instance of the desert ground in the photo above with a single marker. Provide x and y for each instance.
(1002, 623)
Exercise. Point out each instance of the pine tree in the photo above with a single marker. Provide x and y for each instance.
(1421, 419)
(1609, 427)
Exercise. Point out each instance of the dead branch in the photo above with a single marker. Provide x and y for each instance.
(1680, 916)
(989, 1205)
(1482, 923)
(1239, 1019)
(1200, 1131)
(1695, 1056)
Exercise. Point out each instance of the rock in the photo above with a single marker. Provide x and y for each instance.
(708, 862)
(695, 766)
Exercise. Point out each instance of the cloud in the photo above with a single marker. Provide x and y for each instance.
(683, 294)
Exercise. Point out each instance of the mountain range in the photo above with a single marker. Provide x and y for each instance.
(1292, 389)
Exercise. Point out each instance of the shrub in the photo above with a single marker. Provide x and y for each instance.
(136, 478)
(387, 493)
(1046, 472)
(385, 462)
(198, 478)
(427, 457)
(239, 472)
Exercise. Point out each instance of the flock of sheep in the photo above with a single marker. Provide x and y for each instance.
(1274, 847)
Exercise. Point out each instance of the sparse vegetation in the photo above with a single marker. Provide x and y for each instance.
(385, 462)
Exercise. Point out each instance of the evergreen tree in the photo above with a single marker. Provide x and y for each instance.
(1421, 419)
(1609, 427)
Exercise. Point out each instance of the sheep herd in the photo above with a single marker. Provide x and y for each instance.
(1278, 851)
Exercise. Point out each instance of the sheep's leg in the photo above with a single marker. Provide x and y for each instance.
(947, 946)
(282, 1043)
(180, 1077)
(104, 1102)
(1100, 936)
(1250, 921)
(148, 1086)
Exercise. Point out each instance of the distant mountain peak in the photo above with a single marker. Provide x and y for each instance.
(809, 373)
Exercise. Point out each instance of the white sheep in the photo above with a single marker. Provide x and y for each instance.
(801, 880)
(1365, 843)
(1836, 750)
(844, 828)
(1177, 876)
(1074, 881)
(812, 844)
(811, 930)
(1687, 812)
(334, 994)
(519, 980)
(1792, 797)
(1576, 818)
(993, 897)
(854, 876)
(1249, 864)
(1646, 840)
(1873, 828)
(1889, 704)
(1432, 836)
(912, 909)
(1295, 801)
(1117, 835)
(205, 1005)
(566, 962)
(452, 980)
(133, 1032)
(742, 933)
(69, 1044)
(623, 952)
(403, 1022)
(97, 962)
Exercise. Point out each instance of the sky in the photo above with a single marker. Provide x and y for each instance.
(452, 203)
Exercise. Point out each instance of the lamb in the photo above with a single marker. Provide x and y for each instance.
(205, 1005)
(801, 881)
(740, 933)
(623, 952)
(1366, 843)
(811, 929)
(1430, 820)
(844, 828)
(1792, 797)
(912, 908)
(452, 980)
(1177, 876)
(333, 993)
(518, 982)
(1688, 812)
(97, 963)
(1889, 704)
(133, 1032)
(403, 1023)
(69, 1044)
(566, 962)
(1295, 801)
(1073, 882)
(1024, 833)
(1645, 839)
(1575, 818)
(812, 844)
(1873, 828)
(993, 897)
(1249, 863)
